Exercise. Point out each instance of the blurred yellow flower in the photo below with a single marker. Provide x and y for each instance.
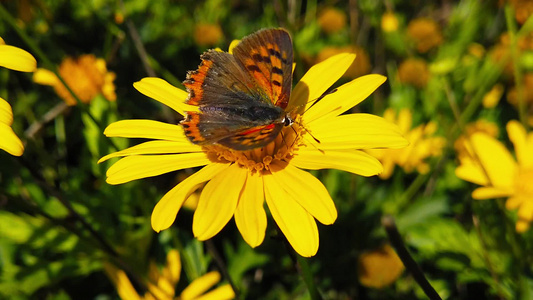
(414, 71)
(502, 50)
(361, 66)
(238, 182)
(207, 35)
(380, 267)
(161, 284)
(9, 141)
(492, 98)
(425, 33)
(332, 20)
(523, 9)
(119, 17)
(19, 60)
(476, 50)
(87, 76)
(422, 144)
(512, 96)
(499, 174)
(389, 22)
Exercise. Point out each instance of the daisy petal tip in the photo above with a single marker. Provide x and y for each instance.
(159, 225)
(307, 252)
(101, 160)
(378, 78)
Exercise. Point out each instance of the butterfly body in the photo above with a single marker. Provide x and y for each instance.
(241, 96)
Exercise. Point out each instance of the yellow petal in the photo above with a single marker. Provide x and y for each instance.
(294, 221)
(155, 147)
(356, 131)
(388, 167)
(490, 193)
(523, 149)
(513, 202)
(380, 267)
(45, 77)
(345, 97)
(318, 79)
(200, 285)
(9, 141)
(172, 269)
(167, 208)
(309, 192)
(250, 215)
(232, 45)
(6, 114)
(165, 93)
(522, 226)
(224, 292)
(146, 129)
(16, 59)
(496, 159)
(525, 212)
(405, 120)
(218, 202)
(472, 172)
(142, 166)
(354, 161)
(123, 285)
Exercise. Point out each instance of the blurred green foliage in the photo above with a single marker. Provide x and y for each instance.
(55, 194)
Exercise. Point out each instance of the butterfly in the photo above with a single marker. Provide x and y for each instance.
(241, 96)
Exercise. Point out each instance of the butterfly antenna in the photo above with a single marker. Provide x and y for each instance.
(309, 132)
(314, 138)
(285, 141)
(315, 101)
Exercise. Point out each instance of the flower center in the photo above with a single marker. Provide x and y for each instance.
(524, 182)
(278, 152)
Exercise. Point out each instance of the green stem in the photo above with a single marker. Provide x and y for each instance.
(307, 276)
(221, 265)
(408, 261)
(517, 70)
(412, 189)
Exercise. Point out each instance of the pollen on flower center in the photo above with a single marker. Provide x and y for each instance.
(523, 182)
(279, 152)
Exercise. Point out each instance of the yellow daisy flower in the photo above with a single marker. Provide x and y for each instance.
(238, 182)
(87, 76)
(19, 60)
(422, 144)
(499, 174)
(380, 267)
(161, 284)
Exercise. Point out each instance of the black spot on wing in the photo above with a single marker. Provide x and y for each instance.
(253, 68)
(277, 70)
